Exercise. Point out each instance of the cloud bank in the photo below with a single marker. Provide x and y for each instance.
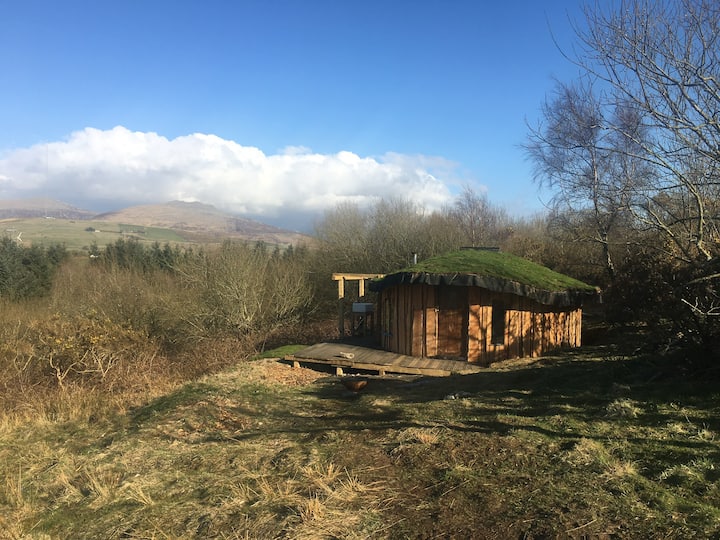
(119, 167)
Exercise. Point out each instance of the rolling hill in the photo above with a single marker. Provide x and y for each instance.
(39, 208)
(201, 221)
(49, 221)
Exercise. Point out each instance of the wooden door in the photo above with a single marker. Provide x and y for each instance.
(452, 322)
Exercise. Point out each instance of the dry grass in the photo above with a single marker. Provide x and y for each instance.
(159, 474)
(428, 436)
(623, 408)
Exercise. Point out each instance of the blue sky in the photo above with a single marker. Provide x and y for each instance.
(275, 109)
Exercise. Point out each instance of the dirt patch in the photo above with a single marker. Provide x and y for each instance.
(273, 371)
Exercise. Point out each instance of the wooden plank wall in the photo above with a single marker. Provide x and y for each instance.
(478, 326)
(411, 318)
(409, 315)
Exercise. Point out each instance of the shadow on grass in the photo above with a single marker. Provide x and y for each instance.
(576, 387)
(564, 398)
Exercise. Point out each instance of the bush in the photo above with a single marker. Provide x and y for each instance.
(124, 331)
(90, 350)
(236, 290)
(246, 291)
(154, 302)
(44, 356)
(670, 298)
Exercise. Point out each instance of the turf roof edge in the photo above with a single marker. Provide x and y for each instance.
(566, 298)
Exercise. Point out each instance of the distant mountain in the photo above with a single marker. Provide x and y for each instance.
(33, 208)
(201, 221)
(194, 221)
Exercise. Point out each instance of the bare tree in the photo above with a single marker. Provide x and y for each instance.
(440, 234)
(384, 237)
(246, 290)
(663, 58)
(343, 239)
(478, 220)
(396, 232)
(585, 152)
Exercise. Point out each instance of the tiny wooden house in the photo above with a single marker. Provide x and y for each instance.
(479, 305)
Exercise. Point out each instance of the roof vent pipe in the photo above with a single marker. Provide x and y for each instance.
(414, 255)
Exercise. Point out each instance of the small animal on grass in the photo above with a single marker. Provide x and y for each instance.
(354, 384)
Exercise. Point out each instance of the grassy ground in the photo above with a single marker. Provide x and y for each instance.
(585, 445)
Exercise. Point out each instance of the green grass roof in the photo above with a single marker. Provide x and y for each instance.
(499, 265)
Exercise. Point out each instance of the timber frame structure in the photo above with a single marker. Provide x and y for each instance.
(341, 279)
(480, 306)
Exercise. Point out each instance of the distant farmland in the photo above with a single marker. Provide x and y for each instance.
(79, 235)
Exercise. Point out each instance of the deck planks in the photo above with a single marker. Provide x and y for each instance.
(363, 358)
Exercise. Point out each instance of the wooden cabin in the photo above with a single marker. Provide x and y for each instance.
(479, 305)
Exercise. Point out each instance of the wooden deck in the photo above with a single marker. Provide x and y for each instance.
(341, 355)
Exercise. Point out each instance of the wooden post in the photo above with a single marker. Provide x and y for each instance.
(341, 317)
(341, 307)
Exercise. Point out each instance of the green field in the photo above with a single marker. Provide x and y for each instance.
(78, 235)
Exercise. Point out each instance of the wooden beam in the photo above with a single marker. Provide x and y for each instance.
(342, 277)
(354, 277)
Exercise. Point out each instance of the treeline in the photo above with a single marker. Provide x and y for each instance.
(386, 236)
(256, 292)
(27, 272)
(130, 254)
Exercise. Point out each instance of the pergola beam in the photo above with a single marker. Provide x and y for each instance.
(341, 278)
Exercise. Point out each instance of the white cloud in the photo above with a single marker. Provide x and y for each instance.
(128, 167)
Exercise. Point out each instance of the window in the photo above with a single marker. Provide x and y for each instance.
(498, 323)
